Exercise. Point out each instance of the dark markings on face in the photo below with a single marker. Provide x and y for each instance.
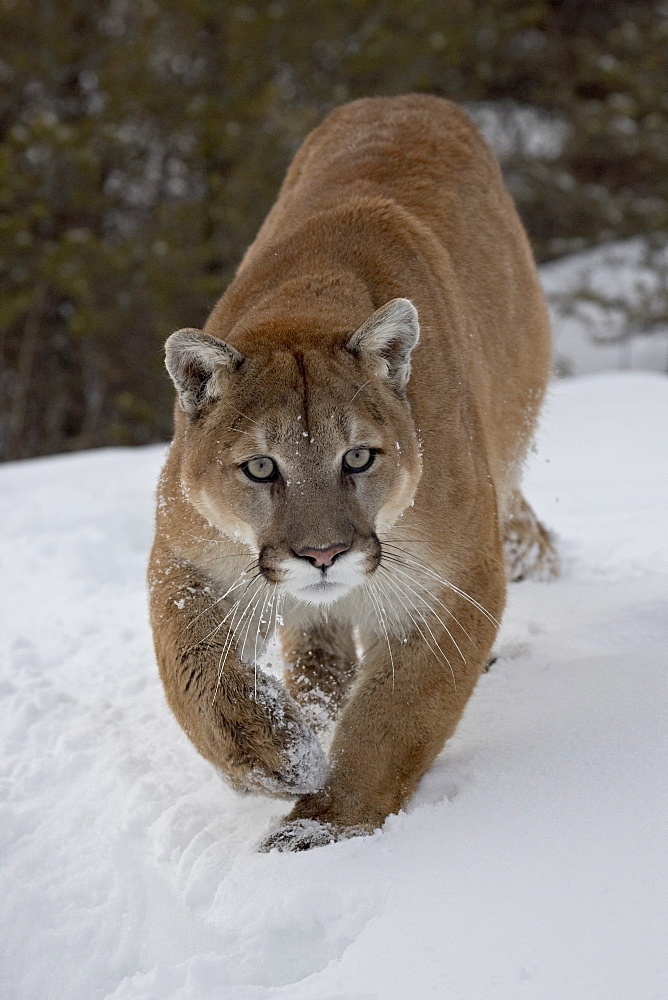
(301, 365)
(374, 410)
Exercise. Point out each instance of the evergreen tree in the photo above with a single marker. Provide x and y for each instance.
(142, 143)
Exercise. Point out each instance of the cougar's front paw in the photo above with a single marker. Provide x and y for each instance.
(275, 751)
(303, 834)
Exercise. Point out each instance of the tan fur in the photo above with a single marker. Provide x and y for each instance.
(389, 199)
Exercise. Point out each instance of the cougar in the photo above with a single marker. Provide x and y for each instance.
(350, 430)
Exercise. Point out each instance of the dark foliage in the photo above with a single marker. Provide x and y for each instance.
(141, 143)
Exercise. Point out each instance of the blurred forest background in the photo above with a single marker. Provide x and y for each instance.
(142, 142)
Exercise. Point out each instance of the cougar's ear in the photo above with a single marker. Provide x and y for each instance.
(387, 339)
(195, 362)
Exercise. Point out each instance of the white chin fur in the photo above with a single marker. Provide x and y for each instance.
(308, 584)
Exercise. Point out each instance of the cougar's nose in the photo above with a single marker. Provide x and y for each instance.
(323, 557)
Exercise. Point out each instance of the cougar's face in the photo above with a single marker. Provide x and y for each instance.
(305, 457)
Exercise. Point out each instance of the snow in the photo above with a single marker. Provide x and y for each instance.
(519, 130)
(609, 308)
(531, 863)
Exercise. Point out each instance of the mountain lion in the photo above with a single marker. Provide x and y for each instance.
(350, 430)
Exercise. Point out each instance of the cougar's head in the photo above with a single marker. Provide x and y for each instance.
(306, 453)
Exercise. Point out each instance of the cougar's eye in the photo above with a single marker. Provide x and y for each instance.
(261, 470)
(358, 459)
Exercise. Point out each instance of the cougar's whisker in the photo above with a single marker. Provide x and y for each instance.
(241, 643)
(269, 595)
(391, 600)
(406, 586)
(227, 641)
(416, 565)
(424, 541)
(448, 583)
(360, 389)
(242, 414)
(233, 634)
(250, 610)
(241, 579)
(214, 631)
(219, 624)
(399, 567)
(374, 598)
(278, 616)
(426, 640)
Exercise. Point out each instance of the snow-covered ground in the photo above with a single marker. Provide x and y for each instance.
(609, 308)
(530, 865)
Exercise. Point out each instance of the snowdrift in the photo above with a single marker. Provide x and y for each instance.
(608, 308)
(530, 865)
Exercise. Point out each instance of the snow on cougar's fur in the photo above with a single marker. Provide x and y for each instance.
(531, 863)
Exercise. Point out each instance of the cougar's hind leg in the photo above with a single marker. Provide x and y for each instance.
(321, 663)
(528, 546)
